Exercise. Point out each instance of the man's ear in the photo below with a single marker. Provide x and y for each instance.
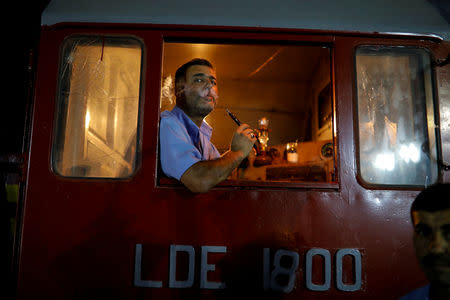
(179, 88)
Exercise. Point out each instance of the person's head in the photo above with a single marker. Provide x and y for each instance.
(195, 88)
(430, 213)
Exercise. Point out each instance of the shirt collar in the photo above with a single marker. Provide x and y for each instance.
(191, 127)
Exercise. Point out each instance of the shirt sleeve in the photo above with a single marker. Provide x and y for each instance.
(418, 294)
(177, 153)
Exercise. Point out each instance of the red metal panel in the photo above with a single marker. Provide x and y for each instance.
(79, 236)
(441, 53)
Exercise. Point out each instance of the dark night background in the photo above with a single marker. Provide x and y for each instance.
(24, 30)
(21, 35)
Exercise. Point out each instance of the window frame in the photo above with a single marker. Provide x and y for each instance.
(60, 119)
(163, 181)
(435, 106)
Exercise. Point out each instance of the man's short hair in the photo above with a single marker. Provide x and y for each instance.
(181, 72)
(433, 198)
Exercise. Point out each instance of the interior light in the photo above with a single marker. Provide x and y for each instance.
(385, 161)
(87, 120)
(202, 50)
(410, 153)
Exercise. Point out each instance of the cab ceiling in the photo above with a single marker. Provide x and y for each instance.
(248, 62)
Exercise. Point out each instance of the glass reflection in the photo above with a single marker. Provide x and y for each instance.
(395, 109)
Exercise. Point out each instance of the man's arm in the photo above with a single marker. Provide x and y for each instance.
(204, 175)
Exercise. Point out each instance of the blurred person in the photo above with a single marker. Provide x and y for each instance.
(430, 213)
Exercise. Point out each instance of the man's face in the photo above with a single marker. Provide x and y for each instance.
(432, 244)
(200, 91)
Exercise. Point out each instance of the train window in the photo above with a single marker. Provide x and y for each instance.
(397, 142)
(97, 109)
(283, 91)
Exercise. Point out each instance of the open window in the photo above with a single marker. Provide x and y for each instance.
(397, 141)
(97, 107)
(287, 85)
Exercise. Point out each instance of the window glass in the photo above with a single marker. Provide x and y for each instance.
(397, 144)
(98, 104)
(286, 85)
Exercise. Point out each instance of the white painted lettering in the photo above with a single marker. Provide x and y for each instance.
(327, 268)
(357, 270)
(173, 282)
(205, 267)
(281, 270)
(137, 271)
(284, 266)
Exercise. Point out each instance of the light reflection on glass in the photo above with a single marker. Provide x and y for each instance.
(385, 161)
(410, 153)
(87, 120)
(396, 117)
(99, 104)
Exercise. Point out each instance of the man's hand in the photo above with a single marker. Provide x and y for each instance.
(243, 140)
(204, 175)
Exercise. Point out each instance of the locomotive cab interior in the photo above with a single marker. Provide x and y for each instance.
(282, 91)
